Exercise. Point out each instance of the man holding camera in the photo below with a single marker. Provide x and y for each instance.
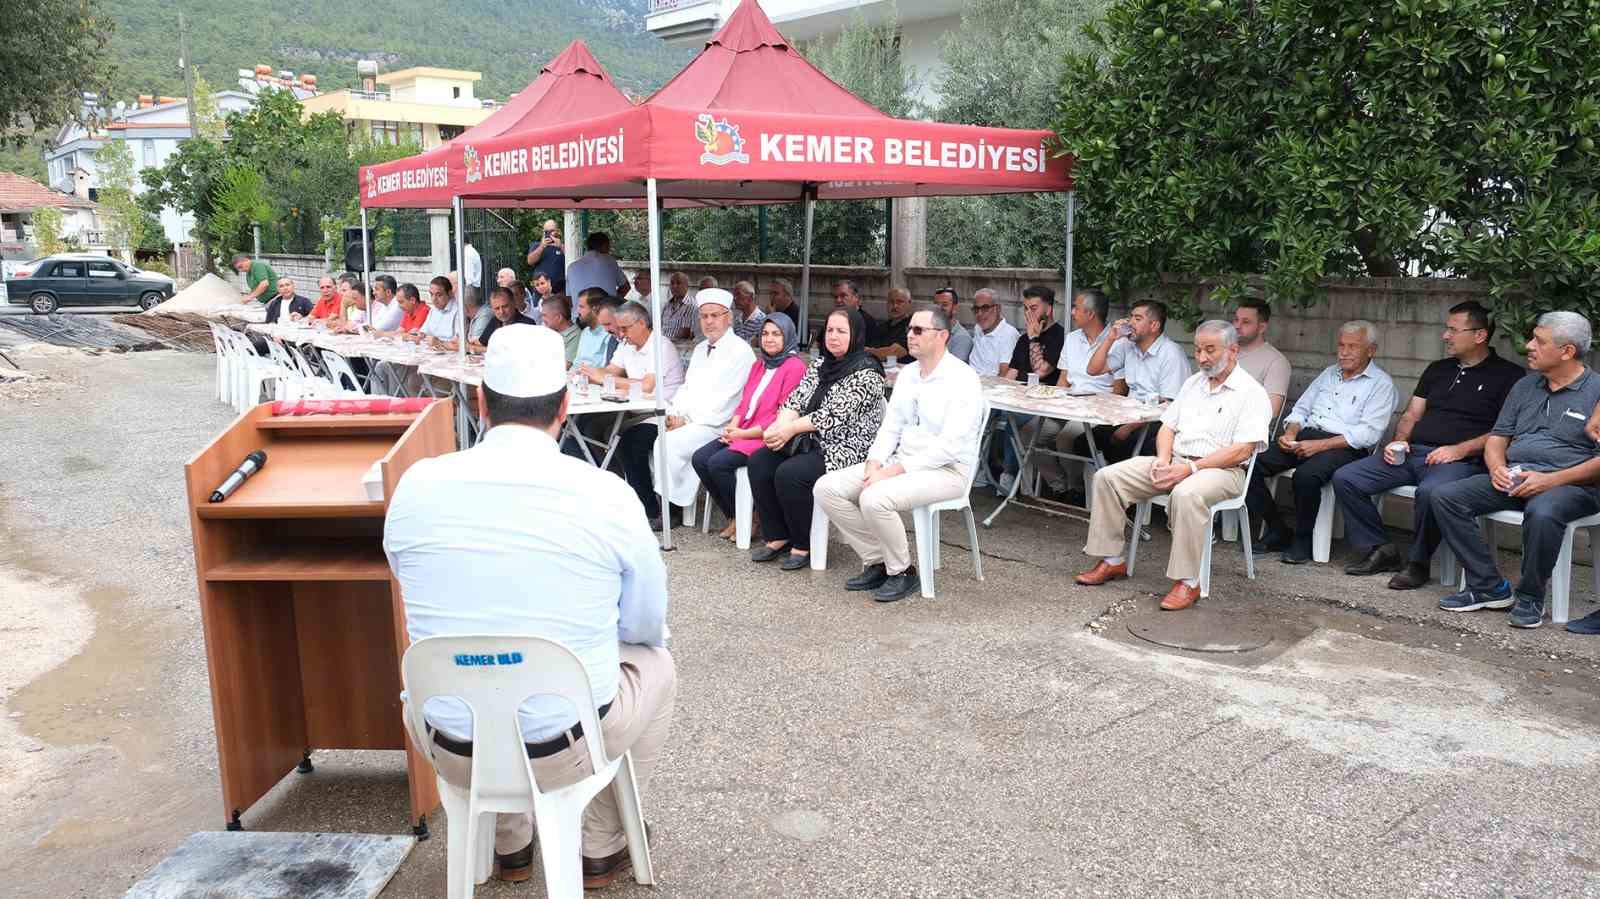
(547, 258)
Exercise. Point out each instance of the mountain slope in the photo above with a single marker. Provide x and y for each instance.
(506, 40)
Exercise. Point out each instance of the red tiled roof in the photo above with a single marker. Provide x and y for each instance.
(17, 192)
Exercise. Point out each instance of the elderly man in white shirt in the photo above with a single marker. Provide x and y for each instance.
(635, 357)
(482, 542)
(994, 339)
(923, 453)
(1220, 417)
(695, 414)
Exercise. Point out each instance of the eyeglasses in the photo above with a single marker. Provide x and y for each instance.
(1451, 332)
(985, 307)
(919, 329)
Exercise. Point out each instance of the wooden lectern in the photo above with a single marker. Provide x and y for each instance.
(304, 624)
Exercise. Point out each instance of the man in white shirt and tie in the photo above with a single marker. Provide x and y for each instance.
(718, 370)
(1221, 417)
(483, 542)
(923, 454)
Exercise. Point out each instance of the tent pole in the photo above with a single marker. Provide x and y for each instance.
(809, 201)
(660, 363)
(461, 280)
(366, 265)
(1070, 200)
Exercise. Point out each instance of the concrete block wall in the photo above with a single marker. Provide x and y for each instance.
(305, 270)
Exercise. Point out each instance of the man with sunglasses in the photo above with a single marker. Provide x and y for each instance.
(921, 455)
(1439, 439)
(993, 338)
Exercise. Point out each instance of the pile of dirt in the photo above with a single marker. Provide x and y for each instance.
(202, 296)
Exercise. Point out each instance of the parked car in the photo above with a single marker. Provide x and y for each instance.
(84, 279)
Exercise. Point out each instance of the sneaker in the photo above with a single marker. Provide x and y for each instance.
(1007, 481)
(1469, 601)
(1588, 624)
(1528, 612)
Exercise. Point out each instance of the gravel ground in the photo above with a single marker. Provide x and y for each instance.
(1009, 738)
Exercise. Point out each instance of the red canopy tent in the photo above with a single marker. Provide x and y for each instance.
(748, 120)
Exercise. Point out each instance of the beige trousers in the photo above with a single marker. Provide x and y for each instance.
(637, 722)
(1119, 486)
(870, 520)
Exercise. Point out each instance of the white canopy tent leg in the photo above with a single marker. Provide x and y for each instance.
(366, 265)
(664, 472)
(461, 280)
(809, 201)
(1068, 297)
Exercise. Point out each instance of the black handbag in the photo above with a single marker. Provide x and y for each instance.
(800, 444)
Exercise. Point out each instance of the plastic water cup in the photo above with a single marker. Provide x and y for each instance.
(1398, 449)
(635, 390)
(609, 387)
(1033, 379)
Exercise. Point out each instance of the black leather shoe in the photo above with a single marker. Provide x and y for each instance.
(1382, 558)
(515, 867)
(870, 578)
(1276, 541)
(603, 872)
(1296, 554)
(655, 523)
(792, 562)
(1412, 576)
(764, 553)
(898, 586)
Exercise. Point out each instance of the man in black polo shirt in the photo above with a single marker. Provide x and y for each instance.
(1439, 439)
(298, 305)
(505, 313)
(1037, 351)
(1541, 462)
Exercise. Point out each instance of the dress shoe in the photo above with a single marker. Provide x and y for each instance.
(764, 553)
(655, 522)
(1101, 572)
(792, 562)
(1382, 558)
(898, 586)
(516, 866)
(1412, 576)
(1274, 541)
(870, 578)
(1297, 554)
(1180, 597)
(603, 872)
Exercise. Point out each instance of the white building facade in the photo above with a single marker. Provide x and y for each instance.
(152, 130)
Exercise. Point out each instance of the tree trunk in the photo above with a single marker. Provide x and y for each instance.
(1379, 264)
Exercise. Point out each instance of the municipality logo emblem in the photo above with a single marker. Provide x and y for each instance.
(720, 141)
(372, 185)
(473, 163)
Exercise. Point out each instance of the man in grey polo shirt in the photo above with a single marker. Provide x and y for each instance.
(1541, 462)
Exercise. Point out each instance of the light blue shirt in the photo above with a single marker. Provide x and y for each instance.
(483, 542)
(1356, 409)
(592, 347)
(1157, 372)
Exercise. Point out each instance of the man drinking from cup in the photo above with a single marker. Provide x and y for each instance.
(1439, 439)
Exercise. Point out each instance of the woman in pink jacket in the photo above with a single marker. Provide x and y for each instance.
(778, 368)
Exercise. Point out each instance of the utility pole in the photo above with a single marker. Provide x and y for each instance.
(187, 65)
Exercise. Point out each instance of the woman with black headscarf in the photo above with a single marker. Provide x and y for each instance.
(828, 423)
(777, 370)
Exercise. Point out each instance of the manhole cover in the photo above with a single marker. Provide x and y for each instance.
(1201, 630)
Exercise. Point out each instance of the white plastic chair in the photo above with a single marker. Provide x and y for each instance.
(819, 537)
(1449, 568)
(1330, 521)
(744, 503)
(1235, 504)
(224, 364)
(339, 368)
(252, 373)
(1561, 575)
(502, 775)
(925, 526)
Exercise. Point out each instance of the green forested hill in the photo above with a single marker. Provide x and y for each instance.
(506, 40)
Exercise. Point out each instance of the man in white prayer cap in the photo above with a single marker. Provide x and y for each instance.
(711, 389)
(470, 535)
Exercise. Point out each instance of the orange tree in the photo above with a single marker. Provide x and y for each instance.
(1298, 139)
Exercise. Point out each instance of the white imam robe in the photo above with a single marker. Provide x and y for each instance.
(710, 393)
